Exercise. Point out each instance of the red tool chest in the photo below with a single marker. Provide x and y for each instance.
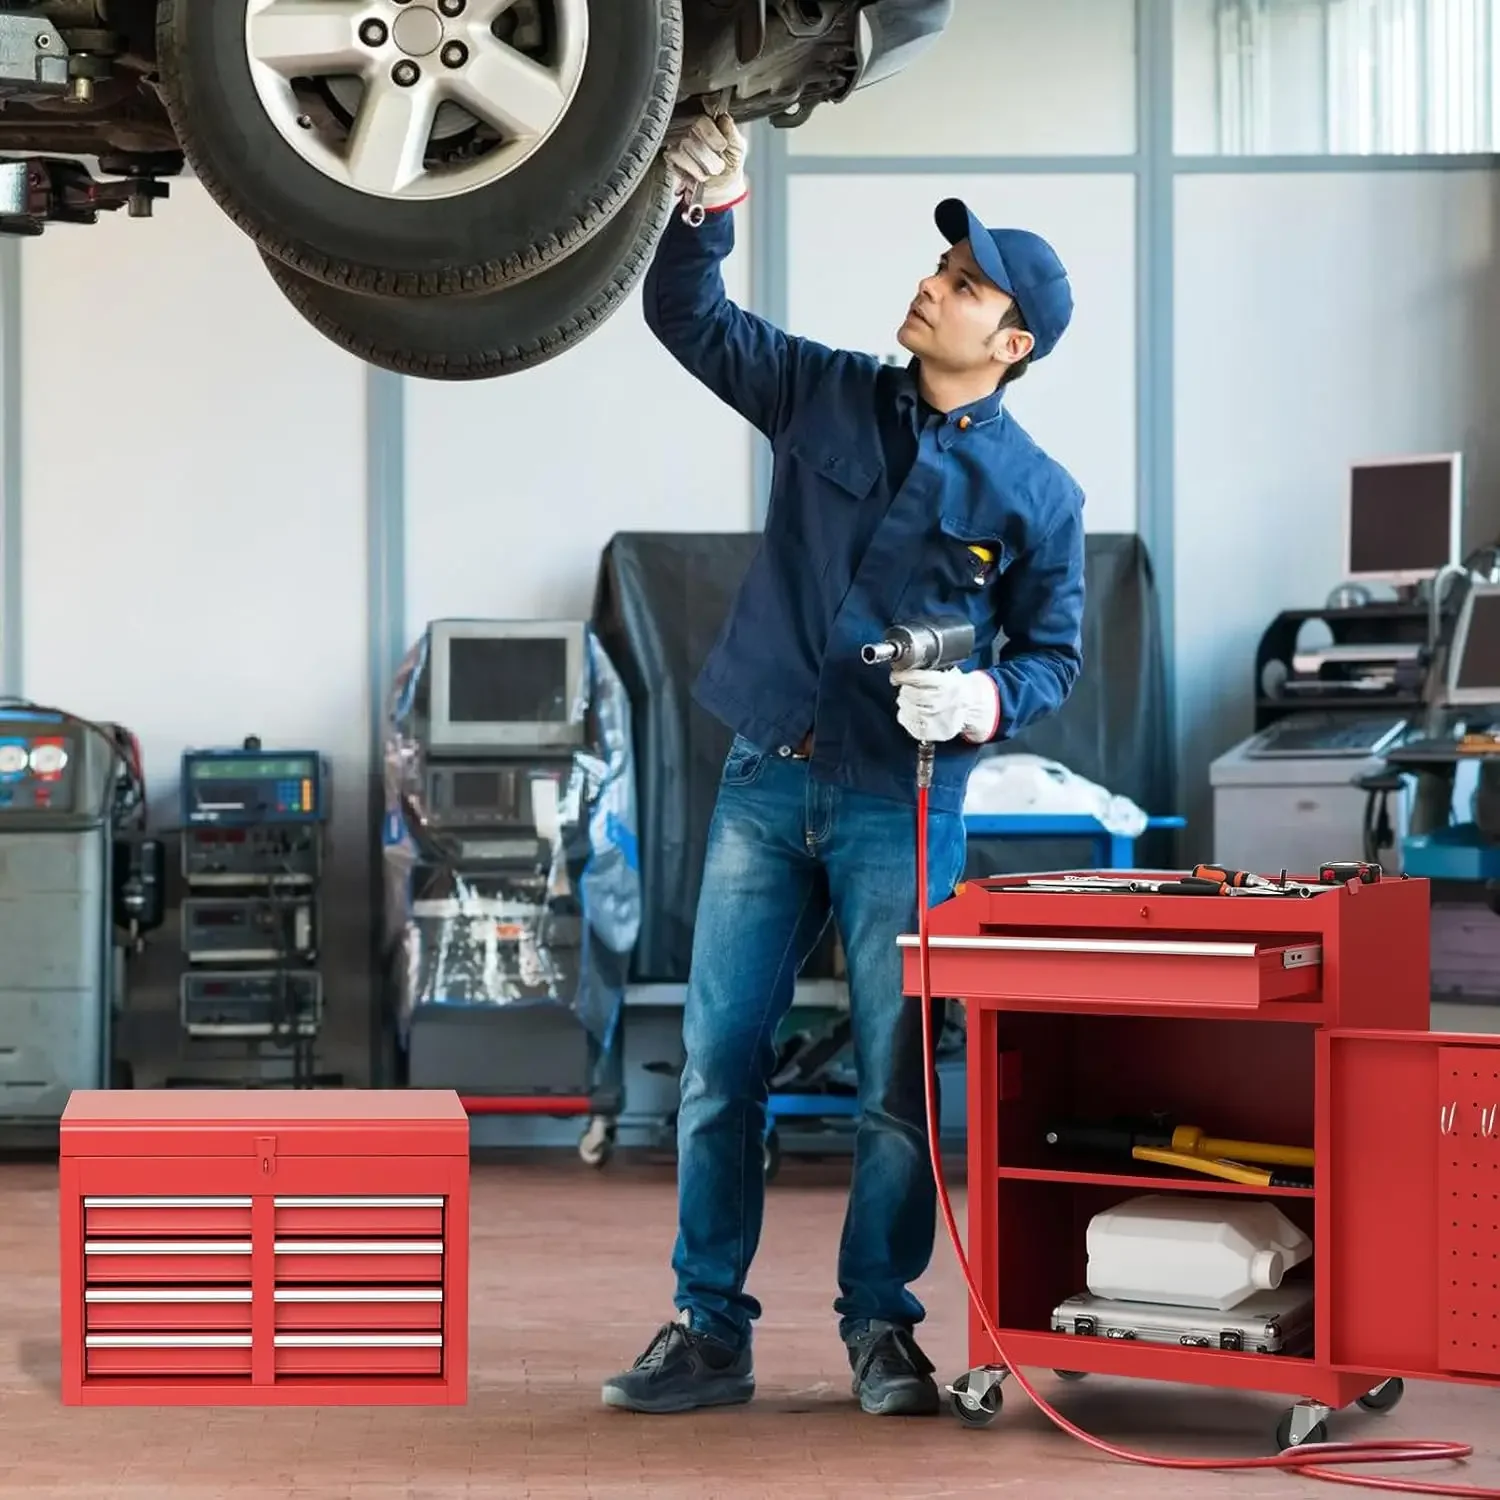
(264, 1247)
(1298, 1021)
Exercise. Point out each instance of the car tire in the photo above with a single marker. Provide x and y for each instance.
(541, 211)
(497, 332)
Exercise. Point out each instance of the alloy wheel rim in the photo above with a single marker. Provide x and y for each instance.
(416, 99)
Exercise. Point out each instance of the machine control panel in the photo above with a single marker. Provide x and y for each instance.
(240, 788)
(38, 766)
(487, 795)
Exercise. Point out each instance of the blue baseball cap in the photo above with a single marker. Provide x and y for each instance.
(1023, 265)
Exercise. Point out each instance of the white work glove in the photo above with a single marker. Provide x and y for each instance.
(708, 158)
(933, 707)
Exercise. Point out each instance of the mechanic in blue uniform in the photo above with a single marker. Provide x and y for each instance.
(898, 493)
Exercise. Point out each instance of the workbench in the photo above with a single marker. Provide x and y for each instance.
(1298, 1021)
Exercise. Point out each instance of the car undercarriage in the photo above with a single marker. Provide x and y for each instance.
(424, 149)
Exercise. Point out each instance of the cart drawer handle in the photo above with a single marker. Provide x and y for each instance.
(167, 1340)
(359, 1341)
(1291, 958)
(358, 1202)
(166, 1203)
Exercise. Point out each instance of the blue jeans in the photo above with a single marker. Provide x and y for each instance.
(784, 853)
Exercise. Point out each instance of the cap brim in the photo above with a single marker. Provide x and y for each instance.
(955, 221)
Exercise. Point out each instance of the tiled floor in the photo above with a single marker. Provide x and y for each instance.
(570, 1277)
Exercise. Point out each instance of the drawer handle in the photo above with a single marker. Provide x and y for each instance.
(359, 1247)
(359, 1341)
(1291, 958)
(166, 1247)
(185, 1294)
(167, 1340)
(359, 1202)
(166, 1203)
(317, 1295)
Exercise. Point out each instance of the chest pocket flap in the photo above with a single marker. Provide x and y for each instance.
(843, 470)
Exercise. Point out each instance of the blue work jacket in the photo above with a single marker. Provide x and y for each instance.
(876, 502)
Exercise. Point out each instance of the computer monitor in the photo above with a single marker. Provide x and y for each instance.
(1404, 520)
(1474, 661)
(504, 685)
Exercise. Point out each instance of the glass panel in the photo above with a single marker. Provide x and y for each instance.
(1336, 77)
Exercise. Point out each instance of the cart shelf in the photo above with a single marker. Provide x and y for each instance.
(1143, 1182)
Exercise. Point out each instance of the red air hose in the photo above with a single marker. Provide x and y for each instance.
(1316, 1460)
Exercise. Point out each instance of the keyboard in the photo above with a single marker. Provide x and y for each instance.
(1353, 736)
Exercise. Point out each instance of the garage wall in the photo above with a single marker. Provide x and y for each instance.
(193, 515)
(1298, 354)
(514, 486)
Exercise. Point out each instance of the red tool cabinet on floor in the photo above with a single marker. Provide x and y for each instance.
(1302, 1022)
(286, 1247)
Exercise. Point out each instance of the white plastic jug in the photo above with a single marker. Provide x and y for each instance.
(1191, 1252)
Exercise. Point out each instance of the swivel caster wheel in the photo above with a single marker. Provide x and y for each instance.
(597, 1143)
(1303, 1424)
(772, 1154)
(977, 1397)
(1385, 1397)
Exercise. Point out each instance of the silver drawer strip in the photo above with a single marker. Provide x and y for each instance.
(149, 1295)
(166, 1203)
(359, 1341)
(356, 1294)
(359, 1203)
(166, 1247)
(359, 1247)
(167, 1341)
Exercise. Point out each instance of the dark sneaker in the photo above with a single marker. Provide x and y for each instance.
(892, 1377)
(682, 1370)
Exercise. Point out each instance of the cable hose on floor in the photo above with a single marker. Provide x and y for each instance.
(1315, 1460)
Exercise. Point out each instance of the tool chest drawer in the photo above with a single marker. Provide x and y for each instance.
(1115, 971)
(265, 1247)
(1321, 958)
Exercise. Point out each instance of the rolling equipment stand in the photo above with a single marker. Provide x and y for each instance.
(1259, 1017)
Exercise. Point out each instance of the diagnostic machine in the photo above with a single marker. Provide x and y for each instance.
(59, 965)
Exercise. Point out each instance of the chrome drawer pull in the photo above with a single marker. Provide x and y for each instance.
(359, 1203)
(148, 1296)
(1150, 947)
(166, 1247)
(167, 1341)
(166, 1203)
(359, 1247)
(355, 1294)
(359, 1341)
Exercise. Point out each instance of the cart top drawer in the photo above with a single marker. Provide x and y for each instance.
(1114, 969)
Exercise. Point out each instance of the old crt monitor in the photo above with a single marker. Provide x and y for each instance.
(504, 686)
(1404, 519)
(1474, 662)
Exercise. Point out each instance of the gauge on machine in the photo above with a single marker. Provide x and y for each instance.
(12, 760)
(48, 760)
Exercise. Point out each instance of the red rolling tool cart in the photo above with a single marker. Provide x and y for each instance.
(276, 1247)
(1258, 1018)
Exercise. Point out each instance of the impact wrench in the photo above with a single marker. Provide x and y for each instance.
(933, 645)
